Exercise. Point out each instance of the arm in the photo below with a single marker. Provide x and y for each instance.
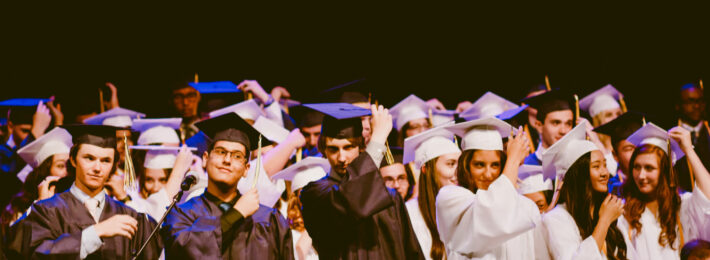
(517, 151)
(276, 159)
(188, 235)
(564, 240)
(182, 164)
(702, 177)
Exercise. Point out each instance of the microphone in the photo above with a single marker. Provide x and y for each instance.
(188, 182)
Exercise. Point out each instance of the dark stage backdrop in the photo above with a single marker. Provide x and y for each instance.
(442, 50)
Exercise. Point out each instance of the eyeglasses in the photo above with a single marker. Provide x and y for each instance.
(234, 155)
(400, 180)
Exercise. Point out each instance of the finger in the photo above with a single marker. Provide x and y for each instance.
(52, 188)
(608, 198)
(59, 107)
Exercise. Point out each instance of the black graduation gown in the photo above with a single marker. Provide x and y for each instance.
(357, 217)
(702, 148)
(193, 230)
(53, 231)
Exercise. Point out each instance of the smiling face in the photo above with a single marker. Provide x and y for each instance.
(646, 171)
(622, 154)
(598, 173)
(226, 163)
(556, 125)
(485, 167)
(154, 180)
(446, 169)
(93, 167)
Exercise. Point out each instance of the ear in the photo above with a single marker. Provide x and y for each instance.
(538, 125)
(204, 159)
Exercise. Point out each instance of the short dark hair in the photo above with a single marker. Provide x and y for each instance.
(357, 141)
(246, 149)
(75, 150)
(551, 106)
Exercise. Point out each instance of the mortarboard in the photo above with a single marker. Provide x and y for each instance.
(482, 134)
(550, 101)
(53, 142)
(118, 117)
(428, 145)
(200, 141)
(601, 100)
(515, 116)
(342, 120)
(356, 92)
(621, 127)
(440, 117)
(158, 156)
(557, 159)
(248, 110)
(103, 136)
(531, 179)
(488, 105)
(271, 130)
(215, 87)
(23, 102)
(231, 127)
(652, 134)
(157, 130)
(301, 173)
(22, 109)
(410, 108)
(306, 117)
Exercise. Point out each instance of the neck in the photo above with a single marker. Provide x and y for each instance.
(690, 122)
(652, 206)
(227, 194)
(87, 190)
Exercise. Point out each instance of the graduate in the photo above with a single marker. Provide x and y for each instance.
(222, 222)
(350, 214)
(397, 176)
(690, 108)
(122, 119)
(485, 217)
(657, 220)
(85, 222)
(488, 105)
(411, 116)
(309, 122)
(534, 186)
(300, 174)
(603, 107)
(158, 131)
(582, 225)
(554, 119)
(434, 152)
(618, 130)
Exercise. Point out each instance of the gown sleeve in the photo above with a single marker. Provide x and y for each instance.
(695, 215)
(32, 236)
(190, 237)
(564, 240)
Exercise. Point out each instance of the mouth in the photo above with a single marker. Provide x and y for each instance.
(224, 170)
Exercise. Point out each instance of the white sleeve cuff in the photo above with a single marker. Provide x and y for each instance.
(90, 242)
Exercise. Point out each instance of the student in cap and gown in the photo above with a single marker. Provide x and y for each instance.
(690, 108)
(488, 105)
(411, 116)
(657, 220)
(534, 186)
(223, 223)
(309, 123)
(122, 119)
(555, 118)
(618, 130)
(434, 152)
(583, 223)
(485, 217)
(84, 222)
(398, 175)
(350, 214)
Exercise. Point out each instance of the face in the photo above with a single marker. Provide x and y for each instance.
(366, 129)
(416, 126)
(93, 166)
(155, 179)
(340, 153)
(623, 153)
(395, 177)
(311, 134)
(692, 104)
(485, 168)
(556, 125)
(446, 169)
(598, 173)
(59, 165)
(185, 101)
(226, 163)
(646, 172)
(539, 199)
(20, 132)
(608, 115)
(121, 144)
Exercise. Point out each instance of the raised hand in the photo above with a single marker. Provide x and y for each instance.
(118, 225)
(462, 106)
(518, 147)
(256, 89)
(46, 190)
(113, 103)
(381, 124)
(248, 203)
(435, 104)
(296, 138)
(40, 120)
(682, 137)
(280, 92)
(611, 208)
(115, 186)
(56, 112)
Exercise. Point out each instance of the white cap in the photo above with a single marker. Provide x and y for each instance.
(601, 100)
(246, 110)
(488, 105)
(652, 134)
(270, 129)
(428, 145)
(441, 117)
(409, 109)
(118, 117)
(557, 159)
(54, 142)
(158, 156)
(482, 134)
(157, 130)
(304, 172)
(532, 180)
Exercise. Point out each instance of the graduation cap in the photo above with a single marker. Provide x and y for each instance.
(271, 130)
(428, 145)
(601, 100)
(440, 117)
(355, 92)
(410, 108)
(215, 87)
(482, 134)
(248, 110)
(301, 173)
(341, 120)
(200, 141)
(306, 117)
(515, 116)
(557, 159)
(22, 109)
(157, 130)
(103, 136)
(653, 134)
(23, 102)
(118, 117)
(488, 105)
(158, 157)
(397, 154)
(550, 101)
(53, 142)
(531, 179)
(621, 127)
(230, 127)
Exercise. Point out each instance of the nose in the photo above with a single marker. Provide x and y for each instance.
(341, 156)
(396, 185)
(227, 160)
(95, 167)
(488, 175)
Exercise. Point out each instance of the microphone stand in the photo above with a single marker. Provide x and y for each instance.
(176, 198)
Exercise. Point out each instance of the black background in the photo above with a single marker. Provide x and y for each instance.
(450, 51)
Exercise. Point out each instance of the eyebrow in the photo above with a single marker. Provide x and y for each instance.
(232, 151)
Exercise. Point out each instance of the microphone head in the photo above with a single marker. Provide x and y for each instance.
(188, 182)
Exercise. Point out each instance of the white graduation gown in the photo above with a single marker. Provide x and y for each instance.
(564, 240)
(497, 223)
(312, 255)
(694, 217)
(269, 191)
(419, 226)
(155, 205)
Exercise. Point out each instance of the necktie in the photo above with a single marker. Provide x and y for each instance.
(93, 205)
(224, 206)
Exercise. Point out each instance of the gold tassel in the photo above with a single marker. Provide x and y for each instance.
(197, 78)
(258, 164)
(388, 154)
(547, 83)
(369, 98)
(129, 177)
(622, 103)
(530, 141)
(431, 118)
(101, 101)
(701, 84)
(576, 107)
(299, 154)
(643, 120)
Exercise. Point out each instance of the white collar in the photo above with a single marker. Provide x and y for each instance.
(696, 128)
(11, 142)
(82, 197)
(540, 150)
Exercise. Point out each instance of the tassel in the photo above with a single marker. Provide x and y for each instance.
(643, 120)
(547, 83)
(258, 164)
(129, 177)
(197, 78)
(622, 103)
(101, 100)
(299, 154)
(388, 154)
(431, 118)
(576, 107)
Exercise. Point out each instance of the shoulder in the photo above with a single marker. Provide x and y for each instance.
(556, 215)
(192, 204)
(56, 201)
(267, 215)
(317, 186)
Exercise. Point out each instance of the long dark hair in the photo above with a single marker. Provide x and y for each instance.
(428, 189)
(579, 196)
(35, 177)
(463, 168)
(666, 195)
